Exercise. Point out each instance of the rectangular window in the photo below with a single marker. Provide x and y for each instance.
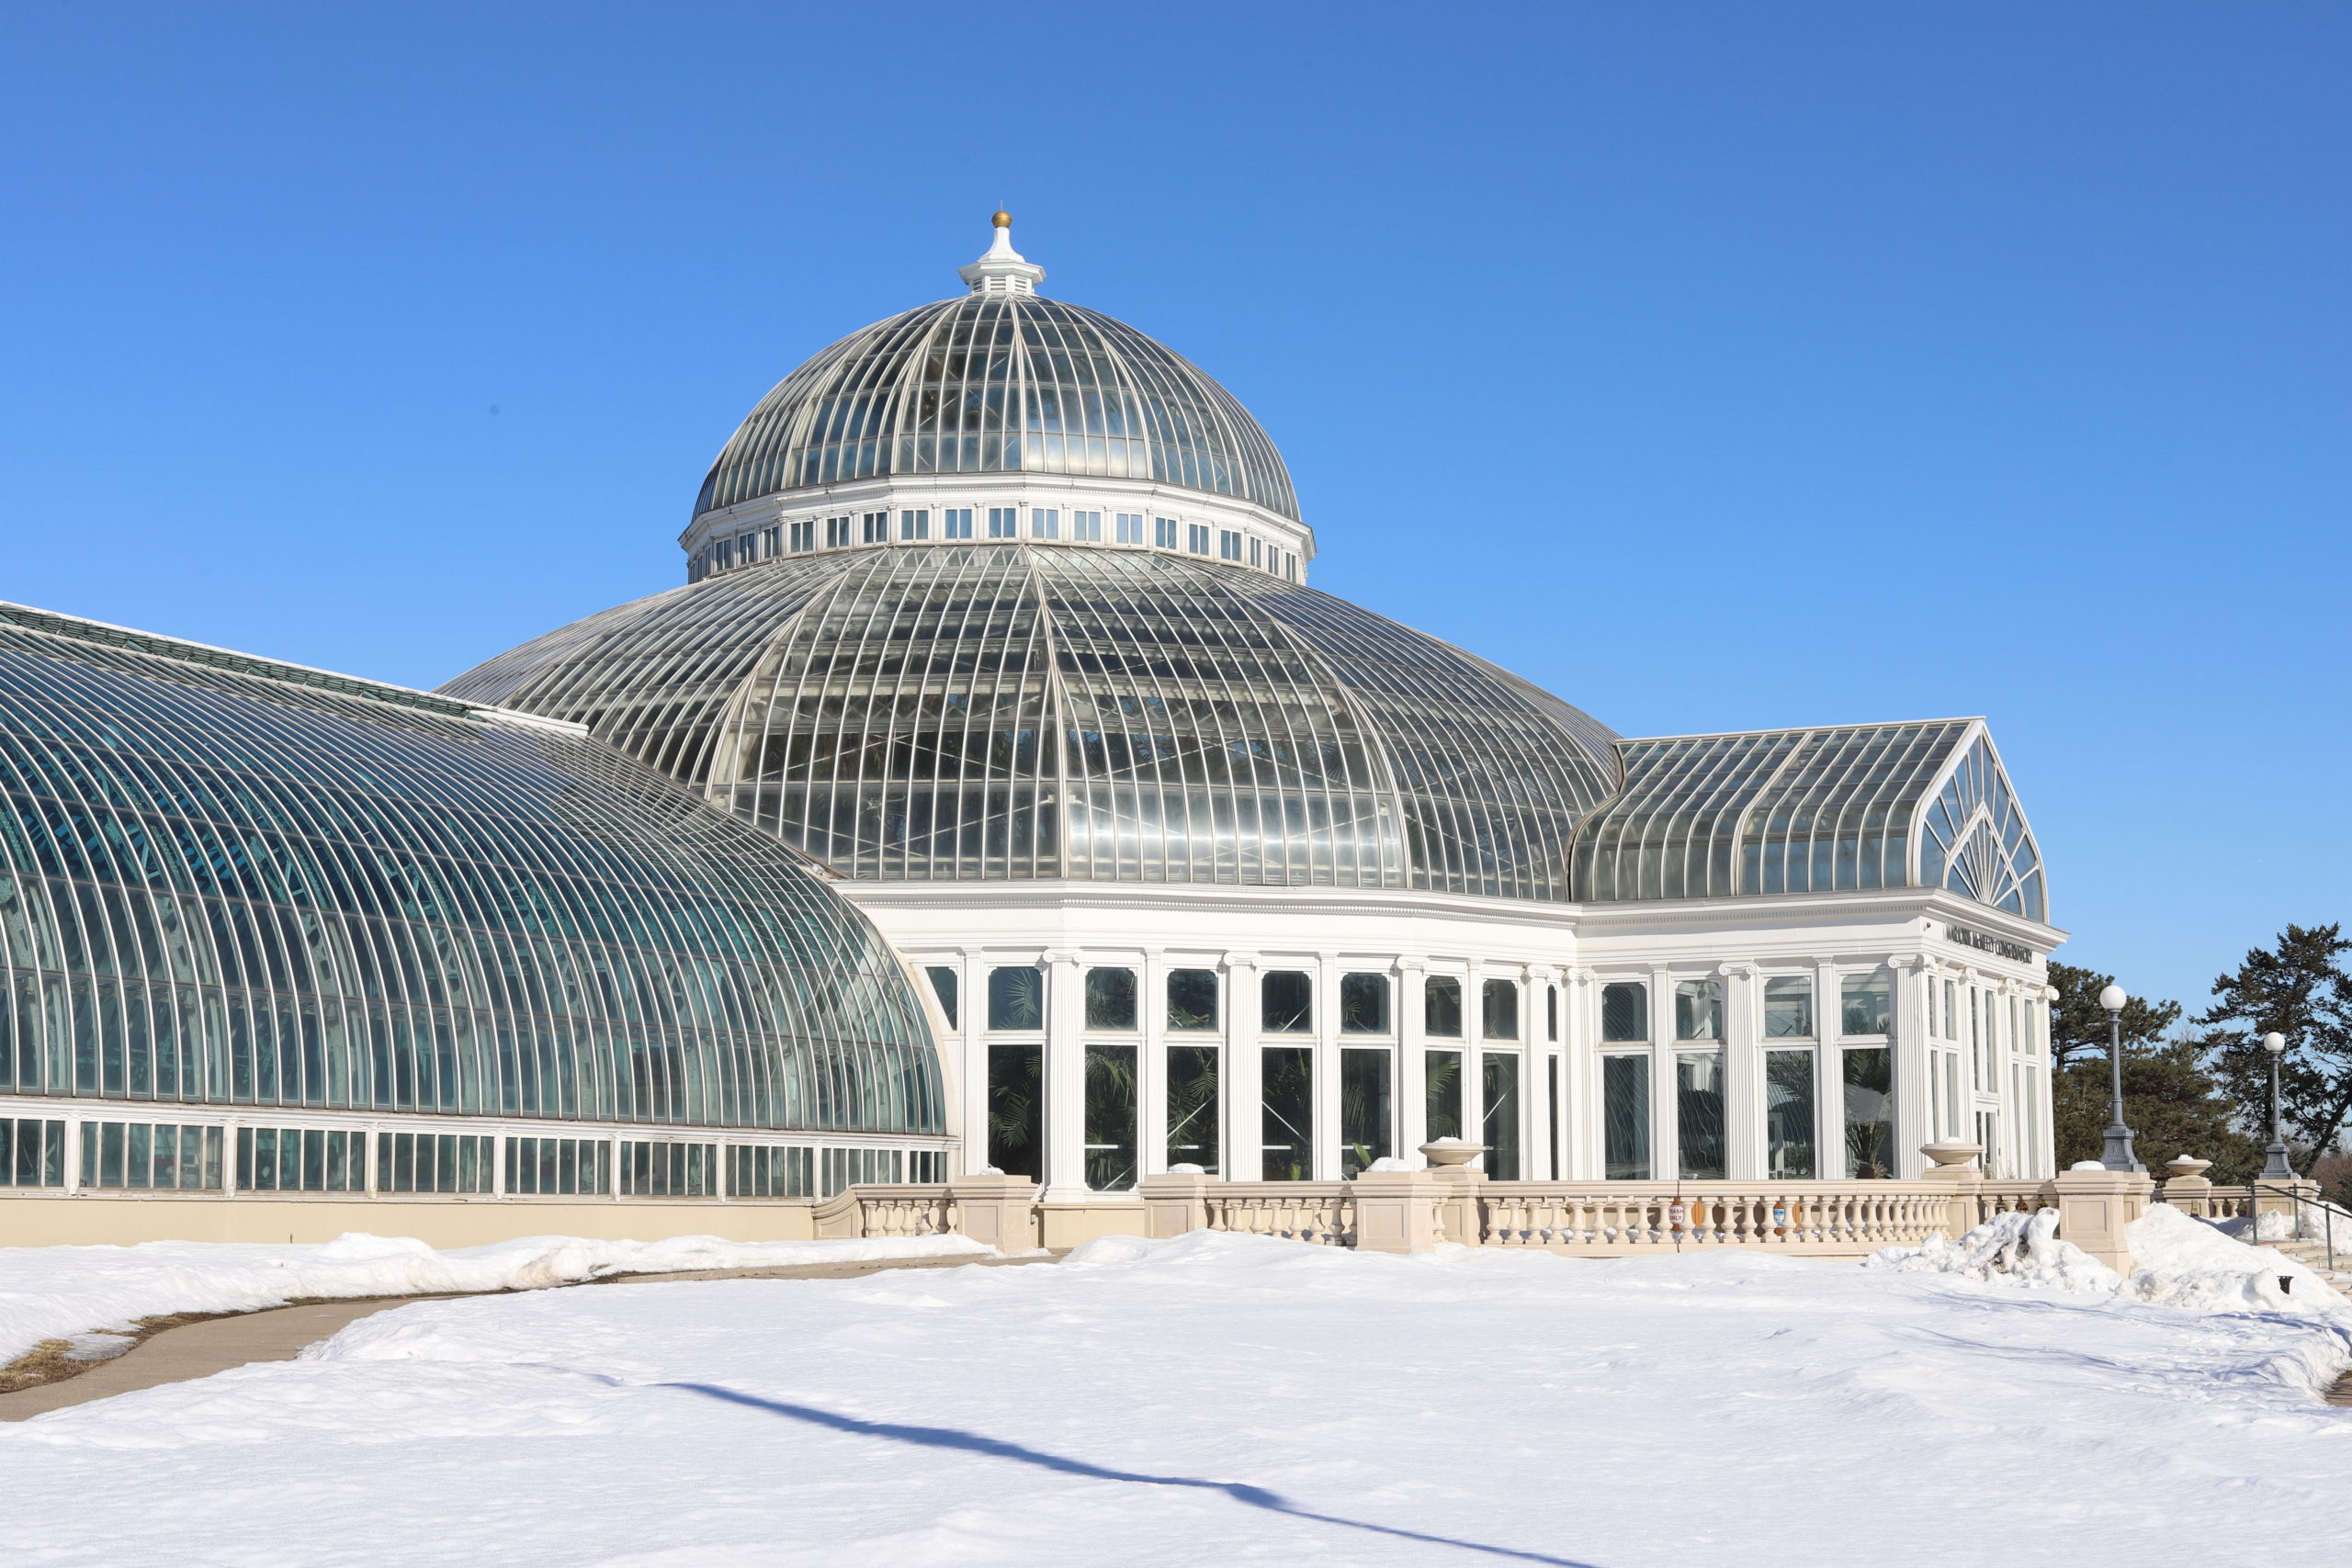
(877, 527)
(1289, 1001)
(1196, 538)
(1366, 1112)
(1364, 1004)
(301, 1159)
(1951, 1011)
(1866, 1004)
(1127, 527)
(747, 548)
(1256, 550)
(1228, 544)
(1788, 1007)
(1111, 1000)
(1625, 1117)
(1192, 1103)
(770, 541)
(1552, 1014)
(1086, 526)
(1787, 1115)
(1017, 997)
(1699, 1114)
(135, 1155)
(1004, 522)
(651, 1169)
(804, 534)
(1442, 1092)
(1288, 1121)
(943, 981)
(955, 523)
(722, 555)
(763, 1171)
(1017, 1111)
(1290, 566)
(1698, 1009)
(1163, 533)
(1045, 523)
(433, 1162)
(839, 1170)
(1111, 1111)
(914, 524)
(1441, 1008)
(564, 1167)
(1625, 1011)
(837, 532)
(1870, 1113)
(1192, 998)
(1952, 1094)
(1501, 1076)
(1498, 1010)
(33, 1152)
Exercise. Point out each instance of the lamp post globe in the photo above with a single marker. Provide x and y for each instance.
(2117, 1153)
(2274, 1167)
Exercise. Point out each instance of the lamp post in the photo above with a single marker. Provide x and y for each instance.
(2118, 1155)
(2275, 1168)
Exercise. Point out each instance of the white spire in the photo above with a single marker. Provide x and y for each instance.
(1002, 270)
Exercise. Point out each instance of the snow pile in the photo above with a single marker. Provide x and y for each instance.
(2180, 1260)
(2014, 1247)
(60, 1292)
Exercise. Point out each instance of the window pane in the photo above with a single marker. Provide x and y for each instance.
(1500, 1013)
(942, 986)
(1552, 1014)
(1016, 1110)
(1867, 1005)
(1109, 999)
(1501, 1137)
(1192, 998)
(1441, 1008)
(1364, 1004)
(1870, 1113)
(1698, 1009)
(1699, 1114)
(1442, 1092)
(1365, 1112)
(1016, 998)
(1788, 1008)
(1193, 1106)
(1289, 1002)
(1111, 1111)
(1787, 1115)
(1625, 1011)
(1289, 1117)
(1625, 1117)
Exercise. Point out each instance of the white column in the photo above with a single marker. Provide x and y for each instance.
(1412, 1066)
(972, 1022)
(1908, 1053)
(1665, 1138)
(1151, 1063)
(1829, 1081)
(1242, 1087)
(1326, 1154)
(1581, 1075)
(1743, 1028)
(1542, 1057)
(1064, 1078)
(1474, 1057)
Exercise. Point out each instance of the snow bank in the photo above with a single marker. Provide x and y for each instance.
(2180, 1260)
(2015, 1246)
(62, 1292)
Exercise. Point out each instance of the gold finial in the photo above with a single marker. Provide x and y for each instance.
(1003, 219)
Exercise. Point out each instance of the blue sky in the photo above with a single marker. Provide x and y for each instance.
(1718, 367)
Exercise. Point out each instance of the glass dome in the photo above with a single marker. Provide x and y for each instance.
(999, 383)
(1039, 711)
(224, 880)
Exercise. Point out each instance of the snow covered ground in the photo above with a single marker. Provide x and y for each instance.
(1221, 1399)
(62, 1292)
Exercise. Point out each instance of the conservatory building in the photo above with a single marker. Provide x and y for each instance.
(997, 615)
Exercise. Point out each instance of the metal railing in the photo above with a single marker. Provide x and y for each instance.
(2327, 1216)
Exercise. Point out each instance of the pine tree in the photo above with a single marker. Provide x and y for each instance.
(2078, 1024)
(2297, 988)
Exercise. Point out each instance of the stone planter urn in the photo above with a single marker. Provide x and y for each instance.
(2181, 1167)
(1952, 1153)
(1447, 1152)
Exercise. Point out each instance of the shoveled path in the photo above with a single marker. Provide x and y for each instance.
(280, 1334)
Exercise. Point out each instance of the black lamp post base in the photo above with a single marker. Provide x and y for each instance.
(2118, 1154)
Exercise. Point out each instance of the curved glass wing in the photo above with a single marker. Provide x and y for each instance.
(1793, 812)
(1015, 711)
(223, 888)
(999, 384)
